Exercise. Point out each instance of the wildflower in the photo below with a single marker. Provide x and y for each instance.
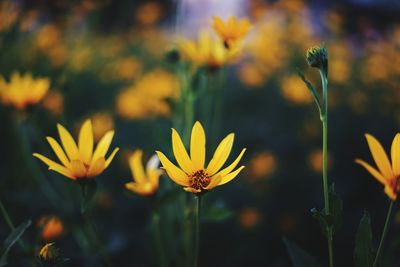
(317, 57)
(232, 31)
(387, 173)
(52, 227)
(191, 172)
(49, 254)
(24, 90)
(79, 161)
(144, 182)
(206, 52)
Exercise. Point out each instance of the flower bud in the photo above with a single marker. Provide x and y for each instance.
(317, 57)
(48, 254)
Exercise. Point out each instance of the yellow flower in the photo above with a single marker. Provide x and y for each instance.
(206, 51)
(231, 31)
(49, 253)
(387, 173)
(144, 183)
(79, 161)
(191, 172)
(52, 227)
(22, 91)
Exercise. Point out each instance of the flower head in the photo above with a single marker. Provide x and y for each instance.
(387, 173)
(317, 57)
(144, 183)
(206, 52)
(79, 161)
(52, 227)
(23, 91)
(192, 173)
(232, 31)
(49, 254)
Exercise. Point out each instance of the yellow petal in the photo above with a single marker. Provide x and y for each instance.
(136, 166)
(229, 177)
(219, 26)
(86, 141)
(154, 177)
(181, 154)
(97, 167)
(103, 145)
(215, 181)
(191, 190)
(373, 171)
(232, 166)
(58, 151)
(78, 169)
(389, 192)
(55, 166)
(395, 151)
(176, 174)
(198, 146)
(380, 157)
(221, 155)
(141, 189)
(111, 157)
(68, 143)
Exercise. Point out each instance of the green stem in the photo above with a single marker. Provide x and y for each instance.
(385, 229)
(158, 237)
(6, 216)
(197, 231)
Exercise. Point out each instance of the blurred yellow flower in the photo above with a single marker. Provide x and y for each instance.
(54, 102)
(262, 164)
(249, 218)
(144, 183)
(49, 254)
(191, 172)
(387, 173)
(9, 12)
(232, 30)
(24, 90)
(315, 160)
(79, 161)
(251, 75)
(48, 36)
(295, 91)
(206, 52)
(149, 13)
(52, 227)
(102, 122)
(128, 68)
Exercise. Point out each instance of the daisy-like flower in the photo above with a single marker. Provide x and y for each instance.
(79, 161)
(387, 173)
(23, 90)
(206, 51)
(144, 183)
(192, 173)
(232, 31)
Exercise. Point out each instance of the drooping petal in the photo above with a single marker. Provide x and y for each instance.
(176, 174)
(97, 167)
(373, 171)
(58, 151)
(191, 190)
(136, 166)
(221, 155)
(103, 145)
(78, 169)
(395, 151)
(380, 157)
(181, 154)
(228, 169)
(86, 141)
(111, 157)
(389, 192)
(55, 166)
(229, 177)
(68, 143)
(198, 146)
(141, 189)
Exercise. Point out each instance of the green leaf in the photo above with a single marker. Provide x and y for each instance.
(299, 257)
(12, 238)
(363, 250)
(311, 89)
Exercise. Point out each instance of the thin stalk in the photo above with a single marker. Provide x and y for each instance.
(6, 216)
(197, 231)
(158, 237)
(385, 229)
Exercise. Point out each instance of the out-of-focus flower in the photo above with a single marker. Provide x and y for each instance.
(191, 172)
(315, 160)
(80, 58)
(9, 11)
(262, 164)
(148, 97)
(149, 13)
(48, 36)
(79, 161)
(24, 90)
(54, 102)
(233, 31)
(128, 68)
(387, 173)
(29, 21)
(52, 227)
(317, 57)
(249, 218)
(251, 75)
(102, 122)
(49, 254)
(207, 52)
(295, 91)
(144, 183)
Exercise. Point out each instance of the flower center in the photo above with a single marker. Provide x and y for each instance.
(199, 180)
